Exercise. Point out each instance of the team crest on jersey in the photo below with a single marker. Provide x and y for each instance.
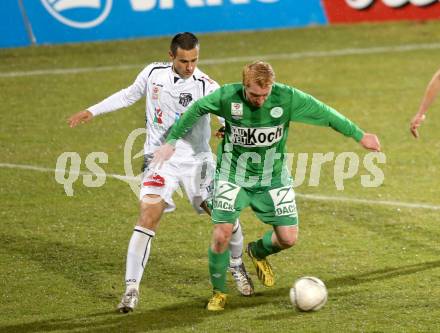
(256, 137)
(276, 112)
(185, 99)
(236, 110)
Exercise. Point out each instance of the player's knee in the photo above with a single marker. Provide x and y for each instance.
(219, 247)
(288, 241)
(221, 238)
(147, 221)
(151, 209)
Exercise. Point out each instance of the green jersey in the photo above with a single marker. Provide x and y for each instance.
(252, 153)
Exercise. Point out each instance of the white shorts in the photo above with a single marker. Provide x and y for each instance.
(195, 176)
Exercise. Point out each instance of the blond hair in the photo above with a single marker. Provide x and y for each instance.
(258, 72)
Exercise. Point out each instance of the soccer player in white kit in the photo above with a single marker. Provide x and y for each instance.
(169, 88)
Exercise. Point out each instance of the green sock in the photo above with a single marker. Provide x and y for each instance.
(264, 247)
(218, 266)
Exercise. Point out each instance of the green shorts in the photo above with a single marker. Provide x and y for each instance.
(274, 206)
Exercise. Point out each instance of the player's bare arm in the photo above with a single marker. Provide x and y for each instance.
(417, 120)
(431, 93)
(79, 118)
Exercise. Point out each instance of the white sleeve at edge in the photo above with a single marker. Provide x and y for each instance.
(122, 98)
(211, 88)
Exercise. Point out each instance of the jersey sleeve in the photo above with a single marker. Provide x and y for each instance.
(209, 87)
(205, 105)
(124, 97)
(213, 86)
(307, 109)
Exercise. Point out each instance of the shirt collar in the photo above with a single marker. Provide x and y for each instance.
(177, 79)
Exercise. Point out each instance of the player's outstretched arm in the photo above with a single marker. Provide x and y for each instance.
(370, 141)
(432, 90)
(417, 120)
(80, 118)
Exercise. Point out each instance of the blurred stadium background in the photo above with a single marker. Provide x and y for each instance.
(62, 258)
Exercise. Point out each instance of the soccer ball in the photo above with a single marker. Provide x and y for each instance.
(308, 294)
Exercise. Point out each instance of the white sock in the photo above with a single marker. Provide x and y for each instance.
(137, 256)
(236, 245)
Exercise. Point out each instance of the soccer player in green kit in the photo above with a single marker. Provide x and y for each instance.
(251, 169)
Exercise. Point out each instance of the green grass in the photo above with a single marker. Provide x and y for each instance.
(62, 259)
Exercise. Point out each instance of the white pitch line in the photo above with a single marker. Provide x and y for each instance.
(399, 204)
(63, 171)
(62, 71)
(274, 56)
(369, 201)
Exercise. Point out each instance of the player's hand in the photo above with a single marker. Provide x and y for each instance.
(370, 141)
(162, 154)
(220, 132)
(415, 124)
(79, 118)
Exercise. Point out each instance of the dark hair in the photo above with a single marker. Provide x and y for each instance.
(185, 40)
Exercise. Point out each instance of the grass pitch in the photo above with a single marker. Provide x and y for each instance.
(62, 259)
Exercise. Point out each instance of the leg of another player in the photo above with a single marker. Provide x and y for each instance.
(284, 236)
(273, 241)
(218, 255)
(236, 266)
(236, 242)
(151, 210)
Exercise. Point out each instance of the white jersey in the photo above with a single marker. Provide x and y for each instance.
(168, 96)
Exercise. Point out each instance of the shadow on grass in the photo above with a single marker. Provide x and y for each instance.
(178, 315)
(351, 280)
(77, 264)
(381, 274)
(192, 313)
(187, 314)
(86, 266)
